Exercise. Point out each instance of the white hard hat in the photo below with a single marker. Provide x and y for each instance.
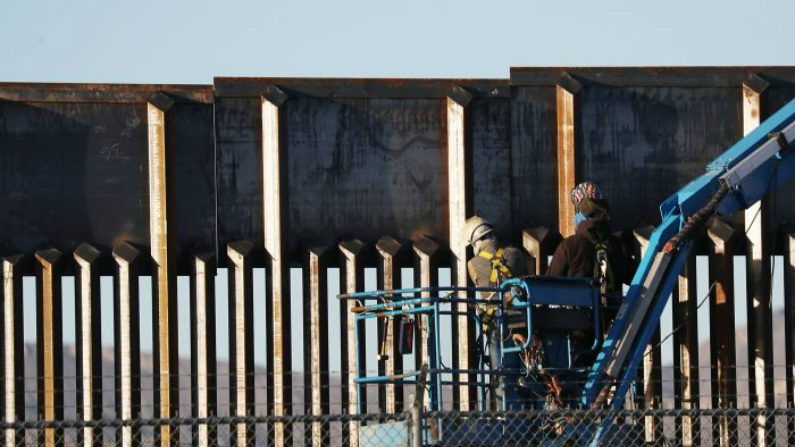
(475, 228)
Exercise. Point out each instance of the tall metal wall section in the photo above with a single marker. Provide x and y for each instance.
(277, 173)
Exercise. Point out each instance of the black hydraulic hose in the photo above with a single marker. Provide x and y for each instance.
(697, 219)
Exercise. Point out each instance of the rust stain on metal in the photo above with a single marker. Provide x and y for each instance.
(105, 93)
(566, 158)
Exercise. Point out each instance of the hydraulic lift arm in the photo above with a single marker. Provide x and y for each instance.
(735, 180)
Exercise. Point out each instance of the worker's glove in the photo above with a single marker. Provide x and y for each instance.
(515, 294)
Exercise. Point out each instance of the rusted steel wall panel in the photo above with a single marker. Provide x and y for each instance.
(364, 157)
(238, 170)
(533, 158)
(194, 181)
(82, 164)
(492, 182)
(364, 167)
(658, 139)
(80, 153)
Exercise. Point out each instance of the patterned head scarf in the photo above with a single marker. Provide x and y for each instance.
(585, 190)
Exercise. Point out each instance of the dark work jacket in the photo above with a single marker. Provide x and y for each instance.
(575, 256)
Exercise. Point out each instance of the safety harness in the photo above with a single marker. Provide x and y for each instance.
(601, 265)
(499, 271)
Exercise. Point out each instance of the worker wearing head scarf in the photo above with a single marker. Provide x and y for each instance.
(576, 256)
(593, 252)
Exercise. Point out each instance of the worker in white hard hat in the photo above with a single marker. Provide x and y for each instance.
(492, 264)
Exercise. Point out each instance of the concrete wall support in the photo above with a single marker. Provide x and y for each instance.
(317, 277)
(203, 359)
(726, 241)
(49, 343)
(273, 158)
(390, 251)
(458, 209)
(686, 384)
(427, 267)
(127, 334)
(353, 280)
(13, 348)
(241, 339)
(89, 346)
(162, 235)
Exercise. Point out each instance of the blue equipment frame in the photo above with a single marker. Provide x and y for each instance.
(537, 292)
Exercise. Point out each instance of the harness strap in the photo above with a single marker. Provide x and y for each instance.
(497, 265)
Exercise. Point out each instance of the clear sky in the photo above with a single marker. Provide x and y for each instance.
(192, 41)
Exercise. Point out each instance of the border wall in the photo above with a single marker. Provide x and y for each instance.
(338, 176)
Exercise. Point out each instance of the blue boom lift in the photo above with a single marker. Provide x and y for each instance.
(554, 307)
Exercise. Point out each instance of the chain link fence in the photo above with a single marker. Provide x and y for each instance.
(698, 427)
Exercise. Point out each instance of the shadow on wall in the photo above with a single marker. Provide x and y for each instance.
(72, 173)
